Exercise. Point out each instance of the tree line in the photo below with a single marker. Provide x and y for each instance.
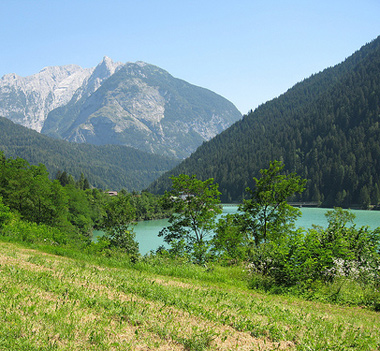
(73, 207)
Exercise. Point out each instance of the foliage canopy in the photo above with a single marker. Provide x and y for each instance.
(118, 223)
(195, 205)
(267, 212)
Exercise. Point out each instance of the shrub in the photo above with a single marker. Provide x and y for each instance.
(5, 214)
(339, 263)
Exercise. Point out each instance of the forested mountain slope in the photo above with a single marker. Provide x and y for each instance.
(325, 128)
(109, 166)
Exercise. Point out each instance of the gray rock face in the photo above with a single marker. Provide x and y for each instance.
(28, 100)
(133, 104)
(102, 71)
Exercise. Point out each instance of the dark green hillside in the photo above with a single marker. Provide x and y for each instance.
(325, 128)
(108, 166)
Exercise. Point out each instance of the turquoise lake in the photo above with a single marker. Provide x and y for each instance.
(147, 231)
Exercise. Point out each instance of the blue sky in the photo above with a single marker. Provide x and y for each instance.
(248, 51)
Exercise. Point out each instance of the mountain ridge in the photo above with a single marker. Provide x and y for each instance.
(143, 106)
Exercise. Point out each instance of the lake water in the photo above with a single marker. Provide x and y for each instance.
(148, 239)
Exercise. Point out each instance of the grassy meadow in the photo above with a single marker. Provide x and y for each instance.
(56, 302)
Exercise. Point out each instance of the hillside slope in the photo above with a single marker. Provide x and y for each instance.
(325, 128)
(101, 303)
(109, 166)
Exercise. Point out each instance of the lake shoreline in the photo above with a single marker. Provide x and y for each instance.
(148, 239)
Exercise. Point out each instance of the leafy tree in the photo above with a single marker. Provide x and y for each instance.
(338, 218)
(195, 206)
(97, 200)
(79, 209)
(46, 199)
(148, 206)
(28, 191)
(348, 242)
(231, 241)
(14, 184)
(118, 224)
(267, 213)
(59, 201)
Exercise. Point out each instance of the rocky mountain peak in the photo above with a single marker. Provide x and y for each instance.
(28, 100)
(9, 77)
(107, 67)
(143, 106)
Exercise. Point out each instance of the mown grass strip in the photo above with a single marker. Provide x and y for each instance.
(101, 300)
(123, 308)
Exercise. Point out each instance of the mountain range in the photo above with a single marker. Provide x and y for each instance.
(325, 128)
(133, 104)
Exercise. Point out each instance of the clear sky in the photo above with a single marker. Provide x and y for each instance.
(248, 51)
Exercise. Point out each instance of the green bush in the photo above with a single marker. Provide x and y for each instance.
(5, 214)
(340, 264)
(32, 233)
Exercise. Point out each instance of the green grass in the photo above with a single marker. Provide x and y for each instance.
(84, 302)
